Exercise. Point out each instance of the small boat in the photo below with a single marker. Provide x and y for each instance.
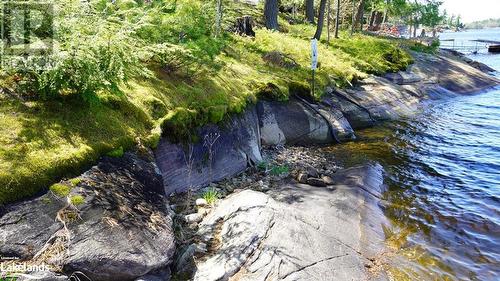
(494, 48)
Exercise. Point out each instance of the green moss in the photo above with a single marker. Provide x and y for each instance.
(60, 190)
(75, 181)
(271, 91)
(116, 153)
(77, 200)
(302, 90)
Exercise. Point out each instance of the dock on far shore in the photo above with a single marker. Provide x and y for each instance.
(491, 45)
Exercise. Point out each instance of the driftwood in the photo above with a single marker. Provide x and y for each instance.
(244, 26)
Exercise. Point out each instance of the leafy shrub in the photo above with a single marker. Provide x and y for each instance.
(94, 53)
(279, 170)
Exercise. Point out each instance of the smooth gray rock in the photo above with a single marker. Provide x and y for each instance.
(292, 123)
(400, 94)
(122, 230)
(237, 147)
(291, 233)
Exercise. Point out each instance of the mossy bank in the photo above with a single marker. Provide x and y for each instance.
(55, 124)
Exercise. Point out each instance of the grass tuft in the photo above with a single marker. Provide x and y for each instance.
(211, 196)
(60, 190)
(77, 200)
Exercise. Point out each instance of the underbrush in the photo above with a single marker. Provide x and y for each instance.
(125, 73)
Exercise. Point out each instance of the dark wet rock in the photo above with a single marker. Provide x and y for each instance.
(262, 236)
(236, 147)
(316, 182)
(121, 231)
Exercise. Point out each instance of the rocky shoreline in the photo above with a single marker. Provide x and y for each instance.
(290, 214)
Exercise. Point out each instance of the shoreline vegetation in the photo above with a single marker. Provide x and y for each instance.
(140, 71)
(483, 24)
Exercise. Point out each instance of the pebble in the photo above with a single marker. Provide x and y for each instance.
(200, 202)
(328, 180)
(193, 218)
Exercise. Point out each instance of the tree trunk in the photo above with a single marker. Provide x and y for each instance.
(328, 20)
(271, 14)
(218, 19)
(321, 19)
(337, 16)
(410, 28)
(309, 11)
(353, 23)
(415, 28)
(244, 26)
(385, 12)
(360, 13)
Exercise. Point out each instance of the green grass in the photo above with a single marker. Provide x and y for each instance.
(211, 195)
(44, 141)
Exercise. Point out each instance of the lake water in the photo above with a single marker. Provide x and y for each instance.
(443, 174)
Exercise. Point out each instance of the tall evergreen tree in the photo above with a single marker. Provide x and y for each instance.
(309, 11)
(271, 14)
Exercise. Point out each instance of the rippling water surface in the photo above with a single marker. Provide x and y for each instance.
(443, 173)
